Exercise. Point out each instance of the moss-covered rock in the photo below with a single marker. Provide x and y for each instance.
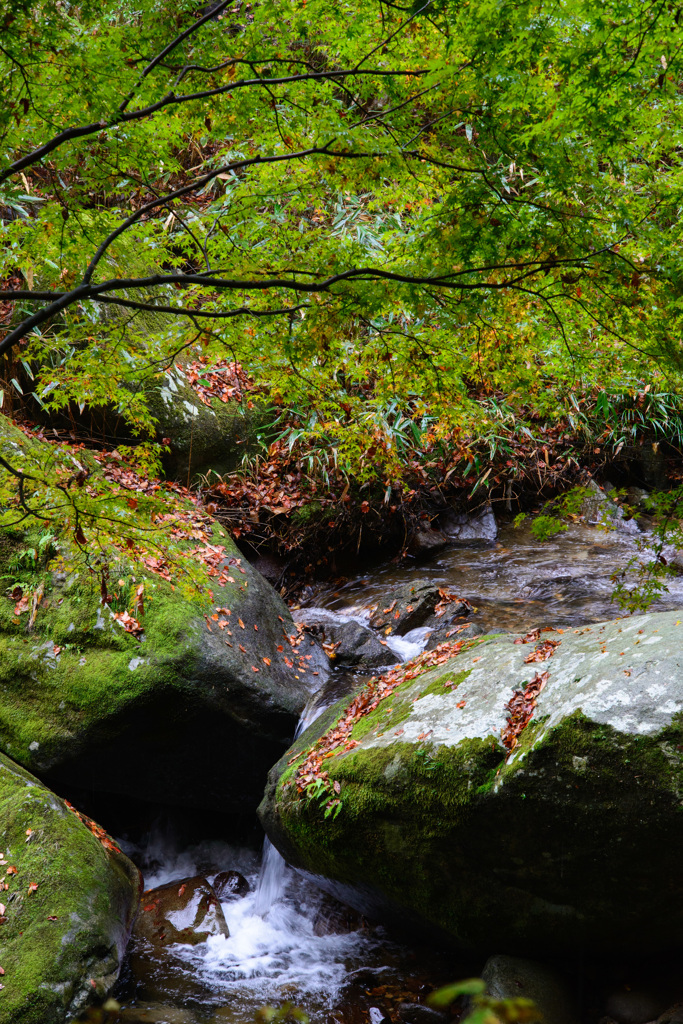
(569, 839)
(194, 711)
(193, 707)
(68, 907)
(203, 437)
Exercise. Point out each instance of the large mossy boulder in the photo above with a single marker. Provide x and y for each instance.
(203, 438)
(191, 708)
(472, 793)
(67, 909)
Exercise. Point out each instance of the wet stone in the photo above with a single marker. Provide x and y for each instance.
(186, 910)
(416, 1013)
(349, 644)
(335, 918)
(406, 607)
(510, 977)
(452, 632)
(634, 1006)
(230, 885)
(469, 530)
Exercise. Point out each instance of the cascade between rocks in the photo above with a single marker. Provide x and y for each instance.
(287, 941)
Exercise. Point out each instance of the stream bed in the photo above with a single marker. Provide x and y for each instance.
(284, 944)
(518, 582)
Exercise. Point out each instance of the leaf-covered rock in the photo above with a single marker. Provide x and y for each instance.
(494, 788)
(67, 907)
(154, 662)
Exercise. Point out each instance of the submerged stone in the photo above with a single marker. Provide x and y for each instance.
(565, 835)
(350, 644)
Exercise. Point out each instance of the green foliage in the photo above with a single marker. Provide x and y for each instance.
(644, 577)
(550, 521)
(322, 793)
(287, 1013)
(484, 1009)
(401, 224)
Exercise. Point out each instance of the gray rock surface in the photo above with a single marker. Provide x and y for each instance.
(468, 530)
(406, 607)
(427, 540)
(451, 632)
(567, 833)
(510, 977)
(202, 438)
(357, 647)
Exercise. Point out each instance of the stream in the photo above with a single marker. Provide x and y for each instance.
(281, 946)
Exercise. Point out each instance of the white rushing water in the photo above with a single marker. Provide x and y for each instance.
(271, 880)
(273, 953)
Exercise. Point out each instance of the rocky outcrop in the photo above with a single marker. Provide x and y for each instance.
(193, 708)
(470, 530)
(519, 786)
(202, 437)
(67, 908)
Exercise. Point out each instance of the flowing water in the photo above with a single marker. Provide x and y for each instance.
(281, 947)
(516, 583)
(277, 952)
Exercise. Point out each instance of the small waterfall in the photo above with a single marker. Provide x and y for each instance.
(271, 881)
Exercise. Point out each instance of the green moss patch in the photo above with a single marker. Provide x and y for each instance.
(69, 907)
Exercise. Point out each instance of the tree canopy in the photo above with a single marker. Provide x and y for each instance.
(438, 211)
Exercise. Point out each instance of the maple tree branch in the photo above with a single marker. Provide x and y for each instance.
(211, 314)
(170, 47)
(82, 131)
(22, 477)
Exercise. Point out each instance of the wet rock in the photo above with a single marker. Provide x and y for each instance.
(598, 507)
(159, 1013)
(636, 498)
(416, 1013)
(427, 541)
(68, 908)
(634, 1006)
(186, 910)
(230, 885)
(406, 607)
(470, 530)
(451, 632)
(335, 918)
(566, 835)
(350, 644)
(510, 977)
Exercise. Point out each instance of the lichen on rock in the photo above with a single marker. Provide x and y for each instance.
(568, 837)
